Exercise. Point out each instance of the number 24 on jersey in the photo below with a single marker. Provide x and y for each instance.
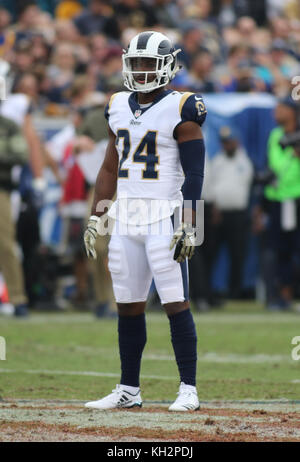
(144, 153)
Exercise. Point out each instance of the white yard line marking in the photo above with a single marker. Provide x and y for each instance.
(97, 374)
(80, 373)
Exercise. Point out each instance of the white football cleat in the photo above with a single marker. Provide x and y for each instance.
(187, 399)
(119, 398)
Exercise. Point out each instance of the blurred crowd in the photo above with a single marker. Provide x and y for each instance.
(62, 59)
(227, 45)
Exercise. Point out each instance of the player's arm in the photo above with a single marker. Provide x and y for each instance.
(105, 189)
(192, 156)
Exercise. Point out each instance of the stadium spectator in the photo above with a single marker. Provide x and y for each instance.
(192, 42)
(66, 32)
(98, 46)
(167, 13)
(29, 16)
(280, 28)
(228, 72)
(110, 79)
(247, 29)
(136, 14)
(199, 79)
(231, 179)
(22, 60)
(61, 72)
(40, 49)
(99, 17)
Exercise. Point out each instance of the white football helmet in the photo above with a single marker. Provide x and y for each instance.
(157, 47)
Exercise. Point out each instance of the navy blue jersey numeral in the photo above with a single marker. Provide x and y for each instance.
(123, 133)
(144, 153)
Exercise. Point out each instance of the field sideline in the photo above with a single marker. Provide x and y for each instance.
(248, 382)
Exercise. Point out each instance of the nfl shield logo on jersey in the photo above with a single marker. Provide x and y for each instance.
(137, 113)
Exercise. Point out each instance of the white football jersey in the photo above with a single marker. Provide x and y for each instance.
(149, 162)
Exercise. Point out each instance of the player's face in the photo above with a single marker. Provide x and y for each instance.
(142, 65)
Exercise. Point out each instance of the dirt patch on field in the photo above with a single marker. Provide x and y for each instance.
(36, 421)
(33, 431)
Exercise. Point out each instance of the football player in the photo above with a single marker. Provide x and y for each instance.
(155, 153)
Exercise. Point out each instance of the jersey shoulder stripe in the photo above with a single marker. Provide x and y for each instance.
(183, 99)
(111, 100)
(108, 106)
(192, 108)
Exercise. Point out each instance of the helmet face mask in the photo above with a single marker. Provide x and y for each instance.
(148, 66)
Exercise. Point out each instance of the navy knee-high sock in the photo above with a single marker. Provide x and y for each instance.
(132, 340)
(184, 341)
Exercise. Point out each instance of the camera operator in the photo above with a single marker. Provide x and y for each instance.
(277, 218)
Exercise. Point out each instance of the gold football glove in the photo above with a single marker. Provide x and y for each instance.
(90, 236)
(184, 242)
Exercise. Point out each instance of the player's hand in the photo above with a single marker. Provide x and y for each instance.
(90, 236)
(184, 242)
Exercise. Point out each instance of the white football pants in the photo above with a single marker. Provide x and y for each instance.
(139, 253)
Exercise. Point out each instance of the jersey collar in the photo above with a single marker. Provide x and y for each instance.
(136, 110)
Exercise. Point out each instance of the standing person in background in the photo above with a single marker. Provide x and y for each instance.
(200, 266)
(13, 152)
(19, 107)
(280, 208)
(231, 180)
(94, 126)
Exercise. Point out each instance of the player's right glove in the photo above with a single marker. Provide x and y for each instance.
(184, 242)
(90, 236)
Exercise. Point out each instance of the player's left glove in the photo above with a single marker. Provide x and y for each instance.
(90, 236)
(184, 241)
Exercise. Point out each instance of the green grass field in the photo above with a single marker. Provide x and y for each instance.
(244, 353)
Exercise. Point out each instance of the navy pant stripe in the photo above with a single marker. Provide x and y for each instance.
(185, 279)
